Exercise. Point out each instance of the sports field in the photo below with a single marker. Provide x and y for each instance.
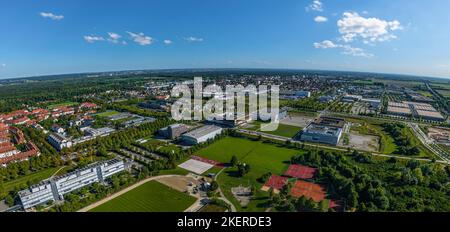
(149, 197)
(261, 157)
(107, 113)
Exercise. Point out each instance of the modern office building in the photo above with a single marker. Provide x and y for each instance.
(202, 134)
(326, 130)
(173, 131)
(54, 189)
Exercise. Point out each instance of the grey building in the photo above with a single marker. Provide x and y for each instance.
(173, 131)
(325, 130)
(202, 134)
(54, 189)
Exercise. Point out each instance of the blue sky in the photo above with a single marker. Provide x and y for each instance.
(394, 36)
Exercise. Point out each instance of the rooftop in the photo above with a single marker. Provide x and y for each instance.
(330, 121)
(202, 131)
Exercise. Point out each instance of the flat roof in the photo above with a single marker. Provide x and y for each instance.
(323, 130)
(402, 110)
(430, 114)
(330, 121)
(202, 131)
(398, 105)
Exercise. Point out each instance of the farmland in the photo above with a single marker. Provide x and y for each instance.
(149, 197)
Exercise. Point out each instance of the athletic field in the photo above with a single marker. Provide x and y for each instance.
(149, 197)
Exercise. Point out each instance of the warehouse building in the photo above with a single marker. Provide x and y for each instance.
(202, 134)
(55, 189)
(327, 130)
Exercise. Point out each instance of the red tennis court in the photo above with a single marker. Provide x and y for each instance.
(208, 161)
(300, 171)
(309, 190)
(276, 182)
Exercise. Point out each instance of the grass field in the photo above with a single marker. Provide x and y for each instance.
(283, 130)
(445, 93)
(261, 157)
(425, 93)
(107, 113)
(63, 104)
(33, 178)
(149, 197)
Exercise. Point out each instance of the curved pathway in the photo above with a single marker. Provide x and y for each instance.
(222, 196)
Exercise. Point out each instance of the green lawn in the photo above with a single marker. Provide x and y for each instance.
(34, 178)
(149, 197)
(283, 130)
(107, 113)
(261, 157)
(63, 104)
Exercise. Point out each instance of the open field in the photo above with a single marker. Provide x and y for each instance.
(62, 104)
(261, 157)
(444, 93)
(107, 113)
(288, 131)
(33, 178)
(387, 144)
(149, 197)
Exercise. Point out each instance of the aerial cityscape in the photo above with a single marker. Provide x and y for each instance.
(359, 94)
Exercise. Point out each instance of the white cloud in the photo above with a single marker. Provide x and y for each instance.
(114, 37)
(51, 16)
(316, 5)
(353, 26)
(320, 19)
(325, 44)
(3, 65)
(347, 49)
(193, 39)
(93, 38)
(141, 38)
(167, 41)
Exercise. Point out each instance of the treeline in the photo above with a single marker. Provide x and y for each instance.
(311, 104)
(404, 143)
(363, 184)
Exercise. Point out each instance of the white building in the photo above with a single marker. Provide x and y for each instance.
(59, 141)
(303, 93)
(202, 134)
(55, 189)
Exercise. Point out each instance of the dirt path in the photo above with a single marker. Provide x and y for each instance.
(123, 191)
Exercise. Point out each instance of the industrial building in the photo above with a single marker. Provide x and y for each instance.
(54, 189)
(173, 131)
(202, 134)
(419, 110)
(326, 130)
(351, 98)
(373, 103)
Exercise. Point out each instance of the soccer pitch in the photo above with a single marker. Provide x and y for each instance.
(149, 197)
(262, 158)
